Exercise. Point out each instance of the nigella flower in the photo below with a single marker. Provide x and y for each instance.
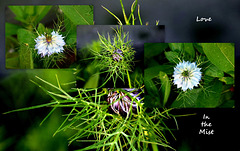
(117, 55)
(49, 43)
(186, 75)
(120, 102)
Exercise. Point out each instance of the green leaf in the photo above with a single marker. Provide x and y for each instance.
(12, 63)
(227, 80)
(78, 14)
(189, 49)
(207, 79)
(152, 98)
(221, 55)
(151, 101)
(198, 47)
(187, 99)
(165, 86)
(26, 39)
(151, 88)
(92, 81)
(154, 49)
(41, 12)
(25, 57)
(41, 28)
(232, 73)
(152, 72)
(29, 10)
(172, 56)
(210, 95)
(228, 104)
(71, 39)
(70, 27)
(176, 46)
(213, 71)
(206, 97)
(11, 29)
(18, 11)
(226, 97)
(34, 14)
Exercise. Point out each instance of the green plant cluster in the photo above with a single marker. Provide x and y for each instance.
(216, 61)
(90, 120)
(20, 44)
(89, 117)
(105, 57)
(109, 61)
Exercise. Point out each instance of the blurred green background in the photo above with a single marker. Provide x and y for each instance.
(21, 130)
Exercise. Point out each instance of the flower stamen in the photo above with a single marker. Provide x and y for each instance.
(48, 38)
(186, 75)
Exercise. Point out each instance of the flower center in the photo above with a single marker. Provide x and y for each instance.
(117, 55)
(48, 38)
(185, 73)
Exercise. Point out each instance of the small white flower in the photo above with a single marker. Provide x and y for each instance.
(187, 75)
(49, 44)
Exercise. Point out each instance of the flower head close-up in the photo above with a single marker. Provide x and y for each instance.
(121, 102)
(117, 55)
(186, 75)
(49, 43)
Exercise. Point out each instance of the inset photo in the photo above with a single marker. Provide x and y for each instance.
(112, 56)
(44, 36)
(189, 75)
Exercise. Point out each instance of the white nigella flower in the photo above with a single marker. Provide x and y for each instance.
(49, 43)
(186, 75)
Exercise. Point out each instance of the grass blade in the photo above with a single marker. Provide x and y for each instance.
(119, 21)
(31, 107)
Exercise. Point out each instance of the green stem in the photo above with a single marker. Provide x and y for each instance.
(129, 80)
(124, 14)
(139, 16)
(119, 21)
(133, 7)
(155, 147)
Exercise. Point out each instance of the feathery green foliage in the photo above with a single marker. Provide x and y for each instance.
(105, 57)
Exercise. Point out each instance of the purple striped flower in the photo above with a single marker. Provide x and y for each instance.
(117, 55)
(120, 102)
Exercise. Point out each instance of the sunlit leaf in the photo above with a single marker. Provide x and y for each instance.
(78, 14)
(221, 55)
(213, 71)
(227, 80)
(92, 81)
(165, 86)
(26, 39)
